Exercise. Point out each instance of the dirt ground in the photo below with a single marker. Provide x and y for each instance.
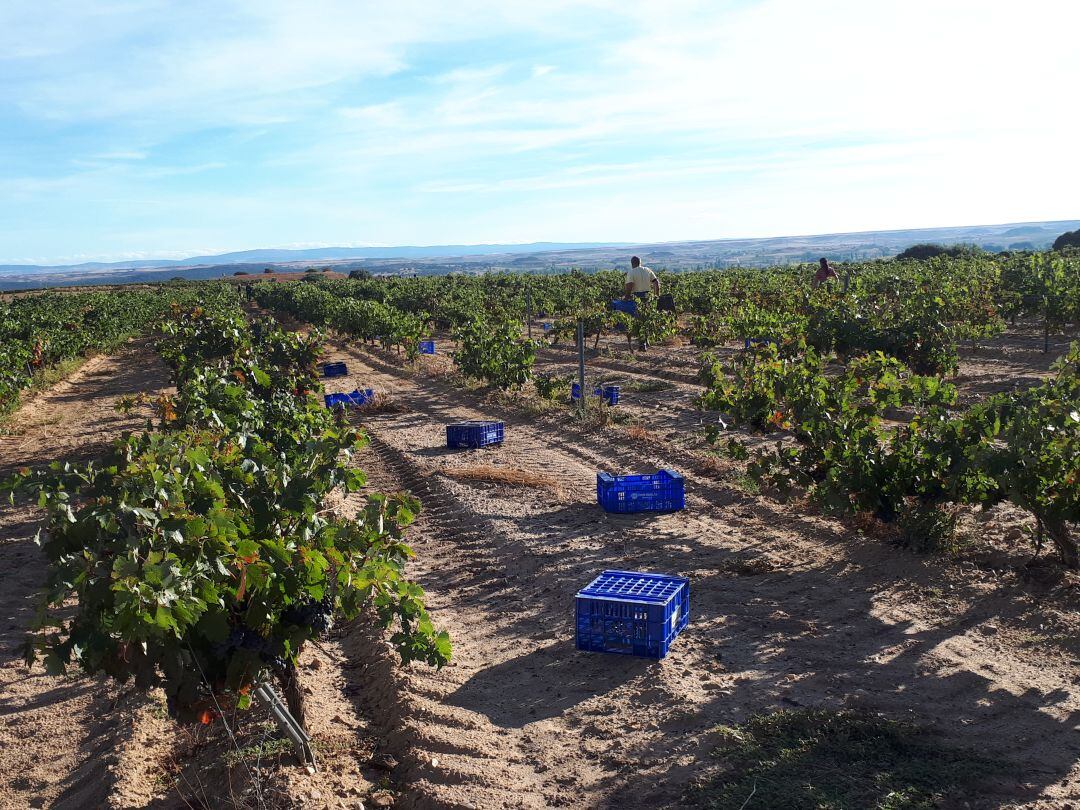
(59, 736)
(788, 609)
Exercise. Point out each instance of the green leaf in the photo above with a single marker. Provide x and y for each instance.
(214, 625)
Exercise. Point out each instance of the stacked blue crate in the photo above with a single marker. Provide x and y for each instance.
(632, 613)
(662, 491)
(474, 433)
(610, 393)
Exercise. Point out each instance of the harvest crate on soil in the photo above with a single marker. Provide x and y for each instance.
(355, 399)
(662, 491)
(629, 307)
(474, 433)
(610, 393)
(334, 370)
(427, 347)
(632, 613)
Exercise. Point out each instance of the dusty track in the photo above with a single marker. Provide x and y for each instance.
(57, 734)
(788, 610)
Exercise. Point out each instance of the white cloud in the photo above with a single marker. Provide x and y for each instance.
(347, 121)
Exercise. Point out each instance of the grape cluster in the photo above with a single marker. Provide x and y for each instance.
(270, 650)
(310, 613)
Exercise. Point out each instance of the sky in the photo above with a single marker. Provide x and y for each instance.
(134, 128)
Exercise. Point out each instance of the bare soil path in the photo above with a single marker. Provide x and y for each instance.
(788, 610)
(57, 733)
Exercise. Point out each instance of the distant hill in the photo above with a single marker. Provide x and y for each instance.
(279, 255)
(541, 257)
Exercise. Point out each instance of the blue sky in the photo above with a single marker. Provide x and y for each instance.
(134, 128)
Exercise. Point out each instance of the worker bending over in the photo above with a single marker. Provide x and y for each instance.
(640, 281)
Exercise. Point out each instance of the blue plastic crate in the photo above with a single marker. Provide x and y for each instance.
(610, 393)
(629, 307)
(632, 613)
(427, 347)
(355, 399)
(748, 342)
(334, 370)
(474, 433)
(546, 326)
(662, 491)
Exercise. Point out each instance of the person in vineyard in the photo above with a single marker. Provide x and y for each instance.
(640, 281)
(824, 273)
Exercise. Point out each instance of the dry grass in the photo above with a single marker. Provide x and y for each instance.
(438, 366)
(642, 435)
(748, 566)
(506, 476)
(598, 414)
(383, 403)
(526, 401)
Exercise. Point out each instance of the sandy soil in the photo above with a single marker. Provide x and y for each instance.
(58, 735)
(789, 609)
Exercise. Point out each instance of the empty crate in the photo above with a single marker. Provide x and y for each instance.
(632, 613)
(356, 398)
(662, 491)
(427, 347)
(474, 433)
(334, 370)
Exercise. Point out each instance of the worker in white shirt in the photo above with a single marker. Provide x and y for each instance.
(640, 280)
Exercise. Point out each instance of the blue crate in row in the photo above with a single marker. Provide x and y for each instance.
(355, 399)
(632, 613)
(662, 491)
(474, 433)
(546, 326)
(748, 342)
(629, 307)
(427, 347)
(610, 393)
(334, 370)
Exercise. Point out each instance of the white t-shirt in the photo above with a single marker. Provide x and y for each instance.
(641, 277)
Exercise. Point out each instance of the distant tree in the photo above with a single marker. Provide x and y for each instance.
(928, 251)
(1022, 246)
(268, 270)
(241, 273)
(311, 270)
(1067, 240)
(360, 275)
